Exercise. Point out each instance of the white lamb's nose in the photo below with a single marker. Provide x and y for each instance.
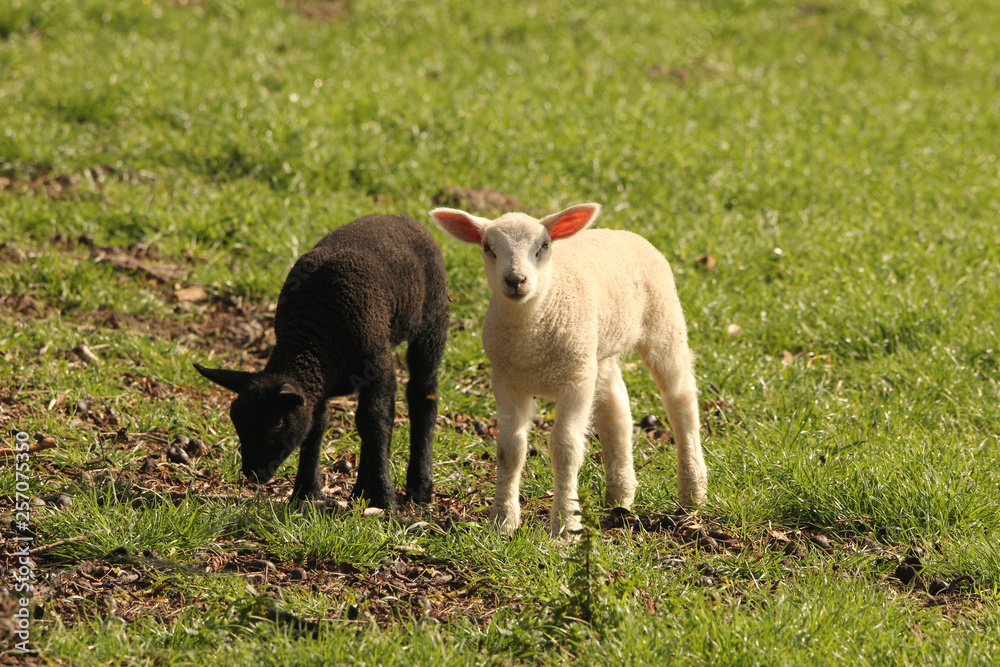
(513, 280)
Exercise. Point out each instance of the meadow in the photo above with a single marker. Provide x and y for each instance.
(822, 176)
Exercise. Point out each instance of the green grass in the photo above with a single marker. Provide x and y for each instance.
(838, 160)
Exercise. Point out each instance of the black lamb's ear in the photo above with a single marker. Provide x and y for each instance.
(290, 397)
(232, 380)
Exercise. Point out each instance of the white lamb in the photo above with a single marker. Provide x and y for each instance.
(560, 317)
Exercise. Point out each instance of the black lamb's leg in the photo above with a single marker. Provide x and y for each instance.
(423, 358)
(308, 484)
(374, 418)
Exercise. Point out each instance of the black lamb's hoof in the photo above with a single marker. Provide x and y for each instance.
(306, 494)
(420, 496)
(382, 498)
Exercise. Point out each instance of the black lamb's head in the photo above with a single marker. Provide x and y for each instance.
(270, 415)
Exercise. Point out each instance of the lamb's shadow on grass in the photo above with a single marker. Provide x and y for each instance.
(718, 551)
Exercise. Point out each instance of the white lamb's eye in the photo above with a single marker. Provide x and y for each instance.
(486, 247)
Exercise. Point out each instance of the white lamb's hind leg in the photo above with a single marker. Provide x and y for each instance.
(567, 443)
(613, 418)
(675, 377)
(692, 475)
(514, 413)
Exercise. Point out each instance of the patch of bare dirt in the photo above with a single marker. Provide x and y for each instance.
(220, 325)
(479, 201)
(13, 406)
(903, 568)
(11, 252)
(815, 8)
(409, 587)
(136, 259)
(133, 259)
(323, 10)
(44, 181)
(128, 586)
(678, 73)
(201, 320)
(696, 68)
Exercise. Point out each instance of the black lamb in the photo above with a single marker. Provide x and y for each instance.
(364, 289)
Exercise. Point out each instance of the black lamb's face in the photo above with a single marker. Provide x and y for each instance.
(271, 419)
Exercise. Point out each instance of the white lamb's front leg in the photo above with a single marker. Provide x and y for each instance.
(567, 444)
(514, 413)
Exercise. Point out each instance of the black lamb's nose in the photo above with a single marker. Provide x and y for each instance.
(513, 280)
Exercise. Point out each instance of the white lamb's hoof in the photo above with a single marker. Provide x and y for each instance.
(506, 520)
(565, 527)
(692, 495)
(566, 535)
(615, 496)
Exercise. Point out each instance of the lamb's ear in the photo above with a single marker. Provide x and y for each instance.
(572, 220)
(232, 380)
(290, 397)
(463, 226)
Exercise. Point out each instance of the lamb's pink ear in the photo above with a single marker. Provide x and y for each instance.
(572, 220)
(461, 225)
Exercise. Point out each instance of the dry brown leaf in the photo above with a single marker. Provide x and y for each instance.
(692, 529)
(191, 294)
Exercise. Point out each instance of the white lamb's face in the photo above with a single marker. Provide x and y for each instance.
(516, 251)
(516, 247)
